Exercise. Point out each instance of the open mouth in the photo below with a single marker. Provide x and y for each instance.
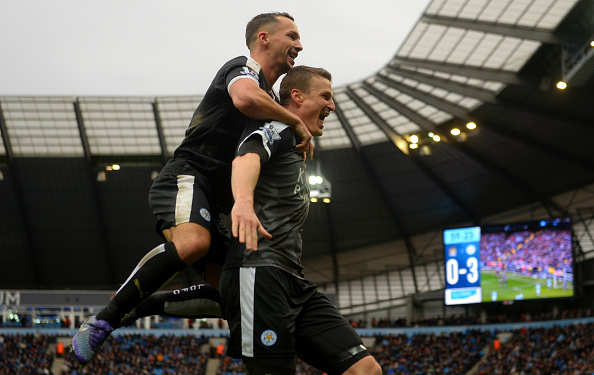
(293, 56)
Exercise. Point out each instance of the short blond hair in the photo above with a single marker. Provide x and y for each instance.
(300, 78)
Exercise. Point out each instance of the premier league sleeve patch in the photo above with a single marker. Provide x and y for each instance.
(246, 71)
(268, 337)
(270, 133)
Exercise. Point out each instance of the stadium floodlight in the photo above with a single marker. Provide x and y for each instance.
(320, 188)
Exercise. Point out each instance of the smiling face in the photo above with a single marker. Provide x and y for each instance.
(284, 43)
(316, 105)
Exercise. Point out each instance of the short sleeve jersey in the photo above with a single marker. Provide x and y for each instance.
(216, 126)
(281, 199)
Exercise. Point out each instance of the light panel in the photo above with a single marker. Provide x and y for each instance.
(120, 126)
(41, 126)
(176, 113)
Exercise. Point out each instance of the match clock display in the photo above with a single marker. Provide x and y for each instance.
(462, 266)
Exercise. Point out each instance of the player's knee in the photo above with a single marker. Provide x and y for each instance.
(365, 366)
(192, 248)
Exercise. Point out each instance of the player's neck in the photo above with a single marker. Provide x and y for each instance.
(270, 73)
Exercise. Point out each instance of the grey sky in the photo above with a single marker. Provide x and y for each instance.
(159, 48)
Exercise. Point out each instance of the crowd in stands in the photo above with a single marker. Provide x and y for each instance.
(26, 354)
(458, 320)
(527, 252)
(558, 350)
(145, 354)
(230, 366)
(453, 353)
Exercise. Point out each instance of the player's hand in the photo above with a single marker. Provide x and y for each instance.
(305, 136)
(246, 226)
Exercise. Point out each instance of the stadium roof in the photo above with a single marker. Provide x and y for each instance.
(69, 223)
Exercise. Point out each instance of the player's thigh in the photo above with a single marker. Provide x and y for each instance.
(325, 339)
(333, 351)
(270, 366)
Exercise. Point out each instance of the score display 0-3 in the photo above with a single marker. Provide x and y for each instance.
(462, 266)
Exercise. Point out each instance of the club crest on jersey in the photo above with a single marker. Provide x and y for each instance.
(249, 72)
(268, 337)
(270, 133)
(205, 214)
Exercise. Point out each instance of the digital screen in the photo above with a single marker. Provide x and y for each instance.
(508, 262)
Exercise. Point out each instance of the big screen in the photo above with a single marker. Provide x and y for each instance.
(518, 261)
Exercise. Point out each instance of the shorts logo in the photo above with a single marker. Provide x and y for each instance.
(205, 214)
(268, 337)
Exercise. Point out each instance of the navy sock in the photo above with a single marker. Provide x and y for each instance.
(194, 302)
(154, 270)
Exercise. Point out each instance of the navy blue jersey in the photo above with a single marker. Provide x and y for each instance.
(216, 126)
(281, 199)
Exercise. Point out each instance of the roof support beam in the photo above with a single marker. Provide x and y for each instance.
(95, 190)
(160, 133)
(5, 138)
(458, 88)
(549, 149)
(335, 265)
(411, 251)
(439, 103)
(412, 115)
(387, 129)
(534, 195)
(331, 234)
(520, 32)
(21, 201)
(485, 96)
(468, 71)
(446, 137)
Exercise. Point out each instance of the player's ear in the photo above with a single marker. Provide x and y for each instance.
(263, 37)
(297, 96)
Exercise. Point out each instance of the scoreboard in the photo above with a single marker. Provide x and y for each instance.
(462, 266)
(509, 262)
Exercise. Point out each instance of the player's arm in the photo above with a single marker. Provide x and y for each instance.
(253, 102)
(245, 223)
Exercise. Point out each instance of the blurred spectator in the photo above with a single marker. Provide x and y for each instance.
(146, 354)
(555, 351)
(453, 353)
(25, 354)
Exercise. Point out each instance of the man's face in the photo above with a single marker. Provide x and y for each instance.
(317, 105)
(285, 44)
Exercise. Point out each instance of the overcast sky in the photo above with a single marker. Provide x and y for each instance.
(174, 47)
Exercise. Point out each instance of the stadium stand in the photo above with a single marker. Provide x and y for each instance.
(530, 345)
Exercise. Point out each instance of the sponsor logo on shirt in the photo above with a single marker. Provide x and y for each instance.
(301, 188)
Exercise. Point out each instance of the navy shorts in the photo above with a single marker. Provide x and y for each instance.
(180, 195)
(275, 316)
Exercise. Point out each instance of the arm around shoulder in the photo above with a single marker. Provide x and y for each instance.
(255, 103)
